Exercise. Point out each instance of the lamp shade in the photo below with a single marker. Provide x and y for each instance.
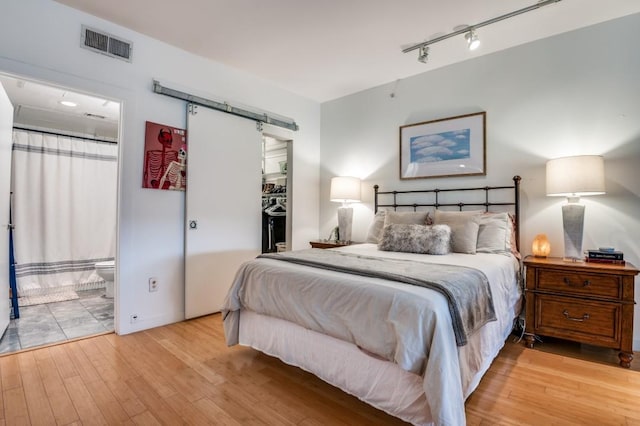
(575, 176)
(345, 189)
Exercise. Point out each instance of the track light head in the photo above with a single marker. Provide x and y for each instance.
(469, 30)
(472, 40)
(423, 54)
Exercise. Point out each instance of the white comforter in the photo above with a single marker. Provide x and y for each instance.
(413, 320)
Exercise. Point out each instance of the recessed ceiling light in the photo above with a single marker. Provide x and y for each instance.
(68, 103)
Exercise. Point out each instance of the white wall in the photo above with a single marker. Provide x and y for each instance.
(575, 93)
(40, 39)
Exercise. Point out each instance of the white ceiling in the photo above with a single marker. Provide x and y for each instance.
(37, 105)
(330, 48)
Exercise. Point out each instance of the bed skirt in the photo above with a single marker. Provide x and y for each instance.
(379, 383)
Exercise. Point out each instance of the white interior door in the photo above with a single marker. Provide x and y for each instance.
(223, 205)
(6, 130)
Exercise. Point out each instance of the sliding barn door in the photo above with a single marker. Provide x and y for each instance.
(223, 209)
(6, 135)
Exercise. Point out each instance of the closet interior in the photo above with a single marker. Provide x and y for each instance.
(275, 155)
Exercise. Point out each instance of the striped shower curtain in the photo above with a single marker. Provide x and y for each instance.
(64, 211)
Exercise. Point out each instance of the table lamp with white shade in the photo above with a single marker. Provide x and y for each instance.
(574, 177)
(345, 189)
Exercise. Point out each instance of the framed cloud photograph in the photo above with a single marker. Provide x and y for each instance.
(446, 147)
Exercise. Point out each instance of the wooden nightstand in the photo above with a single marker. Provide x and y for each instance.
(329, 244)
(584, 302)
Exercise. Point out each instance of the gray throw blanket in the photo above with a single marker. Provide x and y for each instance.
(466, 289)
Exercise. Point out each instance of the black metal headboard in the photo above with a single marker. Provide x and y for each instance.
(434, 201)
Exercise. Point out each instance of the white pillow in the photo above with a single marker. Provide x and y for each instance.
(464, 229)
(494, 233)
(375, 229)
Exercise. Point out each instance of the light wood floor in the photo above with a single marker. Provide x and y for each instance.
(184, 374)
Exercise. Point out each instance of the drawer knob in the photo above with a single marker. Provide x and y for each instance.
(585, 283)
(566, 315)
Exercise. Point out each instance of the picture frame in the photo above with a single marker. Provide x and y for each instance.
(165, 157)
(446, 147)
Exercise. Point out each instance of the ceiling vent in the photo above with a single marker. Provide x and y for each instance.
(105, 43)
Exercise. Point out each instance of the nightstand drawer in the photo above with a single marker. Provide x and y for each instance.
(590, 322)
(580, 283)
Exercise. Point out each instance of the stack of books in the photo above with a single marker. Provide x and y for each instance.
(605, 255)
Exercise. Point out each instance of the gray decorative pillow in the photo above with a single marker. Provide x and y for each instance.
(412, 238)
(464, 229)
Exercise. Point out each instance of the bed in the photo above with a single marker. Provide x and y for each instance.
(409, 333)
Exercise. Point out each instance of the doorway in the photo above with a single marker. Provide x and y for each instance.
(64, 175)
(276, 191)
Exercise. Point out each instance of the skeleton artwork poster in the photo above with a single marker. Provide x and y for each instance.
(165, 157)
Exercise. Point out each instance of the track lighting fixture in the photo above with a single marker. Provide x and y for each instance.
(469, 31)
(423, 54)
(472, 40)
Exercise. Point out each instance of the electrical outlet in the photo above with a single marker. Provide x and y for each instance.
(134, 318)
(153, 284)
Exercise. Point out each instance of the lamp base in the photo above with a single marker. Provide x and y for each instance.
(573, 225)
(345, 222)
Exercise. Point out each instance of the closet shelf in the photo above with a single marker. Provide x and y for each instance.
(272, 155)
(273, 175)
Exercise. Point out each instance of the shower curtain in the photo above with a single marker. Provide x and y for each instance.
(64, 211)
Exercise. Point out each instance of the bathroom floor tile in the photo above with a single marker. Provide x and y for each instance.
(10, 341)
(108, 324)
(85, 329)
(54, 322)
(41, 337)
